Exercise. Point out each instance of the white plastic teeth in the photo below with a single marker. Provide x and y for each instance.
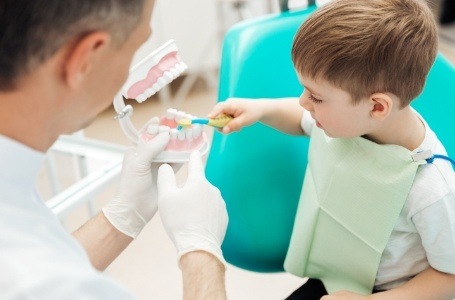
(176, 115)
(140, 71)
(170, 113)
(173, 115)
(173, 133)
(185, 134)
(162, 82)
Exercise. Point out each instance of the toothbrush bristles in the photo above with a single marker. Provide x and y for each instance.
(184, 122)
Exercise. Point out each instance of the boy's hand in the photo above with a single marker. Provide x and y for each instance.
(245, 112)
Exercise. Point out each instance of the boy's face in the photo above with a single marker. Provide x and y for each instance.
(333, 109)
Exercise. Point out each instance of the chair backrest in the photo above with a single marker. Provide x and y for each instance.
(437, 102)
(259, 170)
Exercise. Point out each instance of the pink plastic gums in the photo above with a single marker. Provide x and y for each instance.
(157, 71)
(153, 72)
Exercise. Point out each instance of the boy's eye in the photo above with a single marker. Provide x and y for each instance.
(315, 100)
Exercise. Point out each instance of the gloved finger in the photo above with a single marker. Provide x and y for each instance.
(195, 167)
(153, 147)
(154, 120)
(129, 154)
(155, 166)
(154, 169)
(176, 166)
(166, 179)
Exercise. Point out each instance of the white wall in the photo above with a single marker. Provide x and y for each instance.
(197, 26)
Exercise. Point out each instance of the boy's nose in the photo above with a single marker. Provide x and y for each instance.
(305, 103)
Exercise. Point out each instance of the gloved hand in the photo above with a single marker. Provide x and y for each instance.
(194, 216)
(136, 201)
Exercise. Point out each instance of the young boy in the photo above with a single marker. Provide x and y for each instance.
(374, 216)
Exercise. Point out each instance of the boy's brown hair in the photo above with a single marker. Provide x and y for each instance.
(368, 46)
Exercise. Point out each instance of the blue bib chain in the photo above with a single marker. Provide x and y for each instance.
(429, 157)
(436, 156)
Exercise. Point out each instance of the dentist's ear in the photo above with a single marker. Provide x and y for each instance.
(80, 56)
(381, 106)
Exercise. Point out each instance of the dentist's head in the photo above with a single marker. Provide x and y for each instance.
(62, 62)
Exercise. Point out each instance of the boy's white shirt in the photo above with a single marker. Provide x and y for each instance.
(424, 234)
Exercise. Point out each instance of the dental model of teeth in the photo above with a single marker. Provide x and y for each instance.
(146, 78)
(153, 73)
(182, 142)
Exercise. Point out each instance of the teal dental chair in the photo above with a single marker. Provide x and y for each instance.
(437, 102)
(259, 170)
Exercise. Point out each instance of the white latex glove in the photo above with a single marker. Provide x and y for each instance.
(194, 215)
(136, 201)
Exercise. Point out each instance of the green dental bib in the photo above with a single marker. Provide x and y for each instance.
(351, 198)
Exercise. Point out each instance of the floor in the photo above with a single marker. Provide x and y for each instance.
(149, 266)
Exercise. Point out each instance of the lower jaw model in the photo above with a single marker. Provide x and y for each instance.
(183, 141)
(146, 78)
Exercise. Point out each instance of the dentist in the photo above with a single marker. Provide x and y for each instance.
(61, 63)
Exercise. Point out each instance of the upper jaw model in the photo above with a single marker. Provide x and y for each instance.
(146, 78)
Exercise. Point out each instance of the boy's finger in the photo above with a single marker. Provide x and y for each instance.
(217, 109)
(235, 124)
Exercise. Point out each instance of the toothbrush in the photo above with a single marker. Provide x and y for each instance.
(218, 122)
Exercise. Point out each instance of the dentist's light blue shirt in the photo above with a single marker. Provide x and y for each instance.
(38, 258)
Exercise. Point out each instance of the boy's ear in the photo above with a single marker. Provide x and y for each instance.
(81, 55)
(381, 105)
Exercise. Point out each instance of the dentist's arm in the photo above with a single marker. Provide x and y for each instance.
(195, 218)
(102, 241)
(106, 235)
(203, 276)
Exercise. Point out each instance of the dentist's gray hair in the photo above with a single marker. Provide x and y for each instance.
(32, 31)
